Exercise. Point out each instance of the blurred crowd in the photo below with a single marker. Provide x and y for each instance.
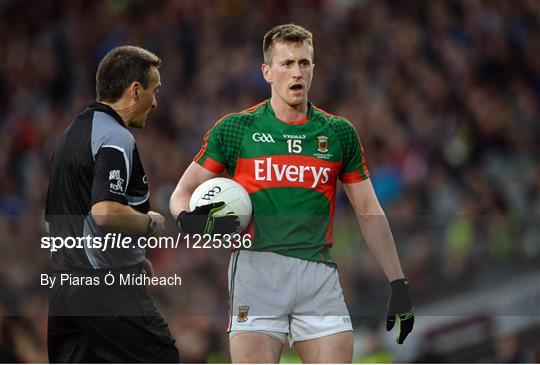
(445, 96)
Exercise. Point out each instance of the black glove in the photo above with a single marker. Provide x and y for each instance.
(202, 221)
(400, 308)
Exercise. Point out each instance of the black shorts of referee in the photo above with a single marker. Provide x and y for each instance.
(104, 323)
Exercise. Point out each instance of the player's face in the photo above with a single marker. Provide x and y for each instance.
(290, 72)
(145, 99)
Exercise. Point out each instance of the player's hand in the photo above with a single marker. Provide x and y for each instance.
(202, 220)
(400, 309)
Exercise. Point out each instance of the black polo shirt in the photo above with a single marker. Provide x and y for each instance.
(95, 160)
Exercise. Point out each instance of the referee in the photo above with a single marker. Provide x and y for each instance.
(98, 186)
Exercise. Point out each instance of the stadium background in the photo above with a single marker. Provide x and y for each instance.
(445, 96)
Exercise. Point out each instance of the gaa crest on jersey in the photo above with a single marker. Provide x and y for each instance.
(322, 144)
(243, 311)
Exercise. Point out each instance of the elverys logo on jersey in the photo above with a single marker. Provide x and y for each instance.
(266, 170)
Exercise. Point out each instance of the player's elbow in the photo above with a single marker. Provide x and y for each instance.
(371, 213)
(369, 207)
(179, 201)
(173, 204)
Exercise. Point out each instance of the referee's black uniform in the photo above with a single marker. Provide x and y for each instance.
(97, 159)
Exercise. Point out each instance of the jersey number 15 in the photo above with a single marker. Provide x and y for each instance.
(294, 145)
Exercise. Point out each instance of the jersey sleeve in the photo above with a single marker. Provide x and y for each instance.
(354, 167)
(112, 170)
(212, 155)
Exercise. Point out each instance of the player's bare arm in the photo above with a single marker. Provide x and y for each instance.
(378, 236)
(374, 227)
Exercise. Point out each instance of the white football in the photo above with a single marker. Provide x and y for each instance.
(220, 189)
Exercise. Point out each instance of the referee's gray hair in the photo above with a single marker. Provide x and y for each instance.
(122, 66)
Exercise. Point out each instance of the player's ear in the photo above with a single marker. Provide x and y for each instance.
(267, 73)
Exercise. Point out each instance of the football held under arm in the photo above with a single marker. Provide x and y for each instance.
(194, 175)
(207, 164)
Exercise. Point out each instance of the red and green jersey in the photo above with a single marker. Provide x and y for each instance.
(290, 171)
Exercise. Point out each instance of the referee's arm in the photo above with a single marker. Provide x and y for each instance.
(117, 217)
(110, 208)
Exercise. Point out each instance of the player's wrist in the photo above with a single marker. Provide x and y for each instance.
(181, 215)
(181, 222)
(400, 299)
(399, 285)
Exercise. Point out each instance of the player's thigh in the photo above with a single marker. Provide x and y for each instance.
(260, 294)
(255, 347)
(336, 348)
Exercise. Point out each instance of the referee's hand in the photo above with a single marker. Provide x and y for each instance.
(400, 309)
(148, 268)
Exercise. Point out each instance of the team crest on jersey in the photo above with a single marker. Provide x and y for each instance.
(243, 311)
(322, 144)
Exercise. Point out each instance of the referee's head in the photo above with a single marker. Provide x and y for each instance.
(128, 79)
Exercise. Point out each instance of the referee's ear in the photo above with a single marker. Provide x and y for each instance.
(136, 95)
(134, 91)
(131, 93)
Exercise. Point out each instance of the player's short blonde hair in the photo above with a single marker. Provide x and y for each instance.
(285, 33)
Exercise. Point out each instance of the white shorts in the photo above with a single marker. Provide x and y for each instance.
(283, 295)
